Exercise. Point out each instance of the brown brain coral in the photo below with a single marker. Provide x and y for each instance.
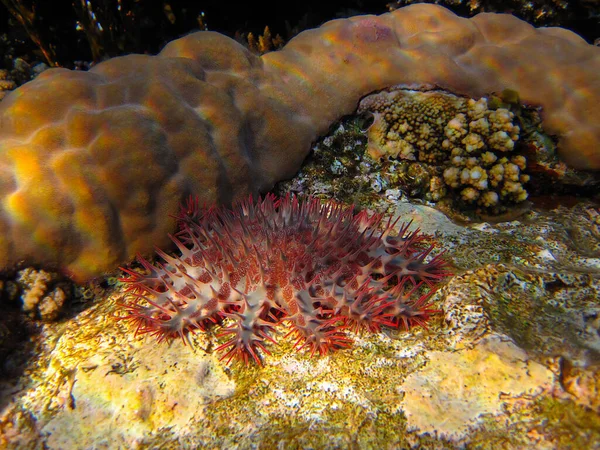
(93, 163)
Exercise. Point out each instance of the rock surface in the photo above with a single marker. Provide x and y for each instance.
(510, 362)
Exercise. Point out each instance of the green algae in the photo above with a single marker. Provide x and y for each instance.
(543, 314)
(559, 423)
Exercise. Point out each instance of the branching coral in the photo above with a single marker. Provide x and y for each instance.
(93, 163)
(262, 44)
(6, 84)
(469, 142)
(319, 268)
(43, 295)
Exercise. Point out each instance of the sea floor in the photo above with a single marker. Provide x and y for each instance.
(511, 361)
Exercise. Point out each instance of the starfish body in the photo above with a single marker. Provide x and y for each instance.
(319, 267)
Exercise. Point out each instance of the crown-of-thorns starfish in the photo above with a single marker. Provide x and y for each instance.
(320, 268)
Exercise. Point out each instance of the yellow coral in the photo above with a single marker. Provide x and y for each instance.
(41, 296)
(6, 84)
(463, 136)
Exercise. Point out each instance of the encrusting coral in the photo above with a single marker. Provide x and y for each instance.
(319, 268)
(92, 163)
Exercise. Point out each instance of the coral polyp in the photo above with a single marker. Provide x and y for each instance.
(321, 269)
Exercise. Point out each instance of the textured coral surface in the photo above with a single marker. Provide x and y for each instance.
(93, 163)
(470, 141)
(319, 268)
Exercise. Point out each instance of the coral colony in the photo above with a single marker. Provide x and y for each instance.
(93, 161)
(319, 268)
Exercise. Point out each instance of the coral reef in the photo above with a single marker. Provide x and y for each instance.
(471, 143)
(582, 384)
(413, 149)
(472, 383)
(92, 381)
(319, 268)
(93, 163)
(116, 392)
(262, 44)
(581, 15)
(20, 73)
(340, 165)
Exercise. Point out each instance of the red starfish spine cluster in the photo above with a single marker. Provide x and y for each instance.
(319, 267)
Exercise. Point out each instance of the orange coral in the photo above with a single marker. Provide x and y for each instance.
(93, 163)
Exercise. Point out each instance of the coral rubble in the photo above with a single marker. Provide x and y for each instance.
(93, 163)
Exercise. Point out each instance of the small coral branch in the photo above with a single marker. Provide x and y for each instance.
(319, 268)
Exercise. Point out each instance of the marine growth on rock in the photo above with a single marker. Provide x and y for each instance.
(319, 268)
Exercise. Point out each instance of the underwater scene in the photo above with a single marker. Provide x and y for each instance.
(323, 225)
